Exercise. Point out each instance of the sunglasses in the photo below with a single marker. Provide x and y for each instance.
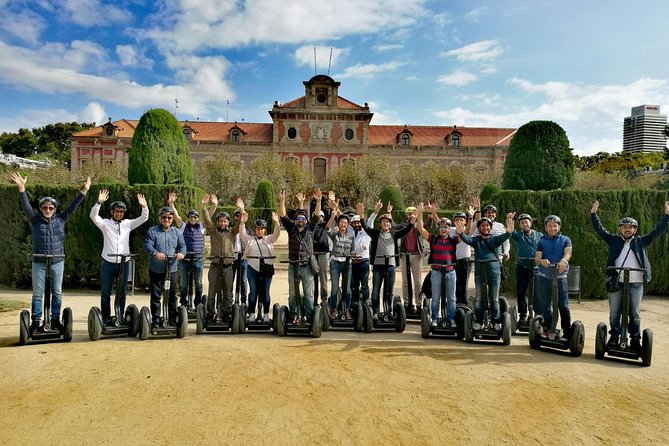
(48, 208)
(300, 219)
(166, 218)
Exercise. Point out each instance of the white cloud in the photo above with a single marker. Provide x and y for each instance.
(93, 112)
(483, 50)
(366, 71)
(89, 13)
(475, 15)
(442, 19)
(130, 57)
(489, 69)
(458, 78)
(387, 47)
(384, 117)
(25, 25)
(304, 56)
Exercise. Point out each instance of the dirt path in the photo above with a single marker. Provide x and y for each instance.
(344, 388)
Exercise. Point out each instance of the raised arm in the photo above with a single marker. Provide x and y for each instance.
(318, 196)
(103, 196)
(419, 222)
(282, 203)
(243, 217)
(178, 221)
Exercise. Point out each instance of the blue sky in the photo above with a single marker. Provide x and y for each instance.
(582, 64)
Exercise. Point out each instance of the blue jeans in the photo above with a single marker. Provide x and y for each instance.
(108, 271)
(435, 279)
(616, 310)
(378, 273)
(305, 276)
(543, 301)
(340, 269)
(39, 276)
(242, 277)
(493, 296)
(360, 280)
(184, 269)
(523, 277)
(255, 279)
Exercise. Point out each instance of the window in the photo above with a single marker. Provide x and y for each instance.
(405, 139)
(348, 134)
(320, 166)
(455, 140)
(292, 133)
(187, 134)
(348, 162)
(291, 159)
(109, 130)
(321, 95)
(235, 136)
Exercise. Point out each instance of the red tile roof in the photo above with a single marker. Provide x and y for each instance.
(435, 135)
(341, 103)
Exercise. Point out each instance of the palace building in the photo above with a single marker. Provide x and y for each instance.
(320, 131)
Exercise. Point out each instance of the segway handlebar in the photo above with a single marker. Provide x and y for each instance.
(624, 268)
(48, 256)
(261, 257)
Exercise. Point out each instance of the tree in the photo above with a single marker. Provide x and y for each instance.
(265, 202)
(53, 140)
(159, 153)
(392, 194)
(220, 175)
(361, 181)
(21, 144)
(539, 158)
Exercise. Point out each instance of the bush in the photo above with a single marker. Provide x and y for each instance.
(487, 192)
(393, 195)
(265, 199)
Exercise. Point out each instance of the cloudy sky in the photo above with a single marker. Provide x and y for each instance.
(582, 64)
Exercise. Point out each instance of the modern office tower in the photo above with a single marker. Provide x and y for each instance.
(644, 130)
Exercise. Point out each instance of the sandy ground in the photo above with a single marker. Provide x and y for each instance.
(346, 388)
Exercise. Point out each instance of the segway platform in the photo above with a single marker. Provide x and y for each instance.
(127, 326)
(554, 339)
(230, 321)
(443, 328)
(623, 350)
(165, 328)
(45, 332)
(307, 326)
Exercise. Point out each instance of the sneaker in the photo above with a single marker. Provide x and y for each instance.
(333, 314)
(522, 320)
(156, 323)
(375, 317)
(635, 345)
(252, 318)
(477, 326)
(55, 324)
(453, 324)
(34, 325)
(348, 315)
(297, 320)
(265, 318)
(613, 342)
(497, 326)
(434, 323)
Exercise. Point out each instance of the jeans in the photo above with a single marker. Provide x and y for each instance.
(493, 296)
(340, 269)
(242, 278)
(523, 278)
(157, 280)
(416, 262)
(220, 289)
(108, 271)
(258, 288)
(184, 271)
(435, 278)
(321, 280)
(543, 302)
(616, 310)
(305, 276)
(462, 270)
(39, 276)
(378, 274)
(360, 280)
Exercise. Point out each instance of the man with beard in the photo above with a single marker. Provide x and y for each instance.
(359, 261)
(116, 234)
(526, 240)
(626, 249)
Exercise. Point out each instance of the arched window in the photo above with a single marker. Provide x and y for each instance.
(320, 166)
(187, 134)
(348, 162)
(235, 136)
(291, 159)
(455, 140)
(405, 139)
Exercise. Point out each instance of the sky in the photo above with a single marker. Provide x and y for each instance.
(502, 63)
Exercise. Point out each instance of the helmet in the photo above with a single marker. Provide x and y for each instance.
(300, 212)
(237, 212)
(221, 215)
(459, 215)
(51, 200)
(483, 220)
(118, 205)
(489, 207)
(554, 218)
(524, 217)
(355, 218)
(444, 222)
(386, 217)
(193, 212)
(343, 217)
(628, 221)
(165, 210)
(410, 210)
(260, 223)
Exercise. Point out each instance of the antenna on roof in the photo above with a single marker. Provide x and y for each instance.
(314, 61)
(227, 110)
(330, 62)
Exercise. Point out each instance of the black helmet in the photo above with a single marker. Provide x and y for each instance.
(444, 222)
(344, 217)
(51, 200)
(554, 218)
(165, 210)
(193, 212)
(490, 207)
(459, 215)
(628, 221)
(483, 220)
(118, 205)
(221, 215)
(525, 217)
(260, 223)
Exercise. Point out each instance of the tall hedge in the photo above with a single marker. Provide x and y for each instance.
(392, 194)
(265, 202)
(539, 158)
(159, 153)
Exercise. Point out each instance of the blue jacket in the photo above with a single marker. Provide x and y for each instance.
(638, 243)
(48, 234)
(169, 242)
(552, 248)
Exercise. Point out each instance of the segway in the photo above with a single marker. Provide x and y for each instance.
(412, 309)
(524, 326)
(357, 314)
(285, 324)
(443, 327)
(393, 316)
(623, 349)
(223, 320)
(190, 306)
(168, 326)
(125, 321)
(553, 339)
(259, 324)
(45, 331)
(325, 315)
(487, 330)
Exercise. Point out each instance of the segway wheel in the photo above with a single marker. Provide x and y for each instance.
(397, 299)
(469, 327)
(401, 315)
(460, 315)
(24, 327)
(507, 328)
(325, 319)
(424, 323)
(284, 314)
(276, 309)
(132, 317)
(358, 317)
(94, 324)
(182, 321)
(646, 347)
(577, 339)
(600, 341)
(236, 319)
(535, 328)
(503, 305)
(513, 312)
(144, 323)
(316, 327)
(200, 314)
(68, 321)
(368, 318)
